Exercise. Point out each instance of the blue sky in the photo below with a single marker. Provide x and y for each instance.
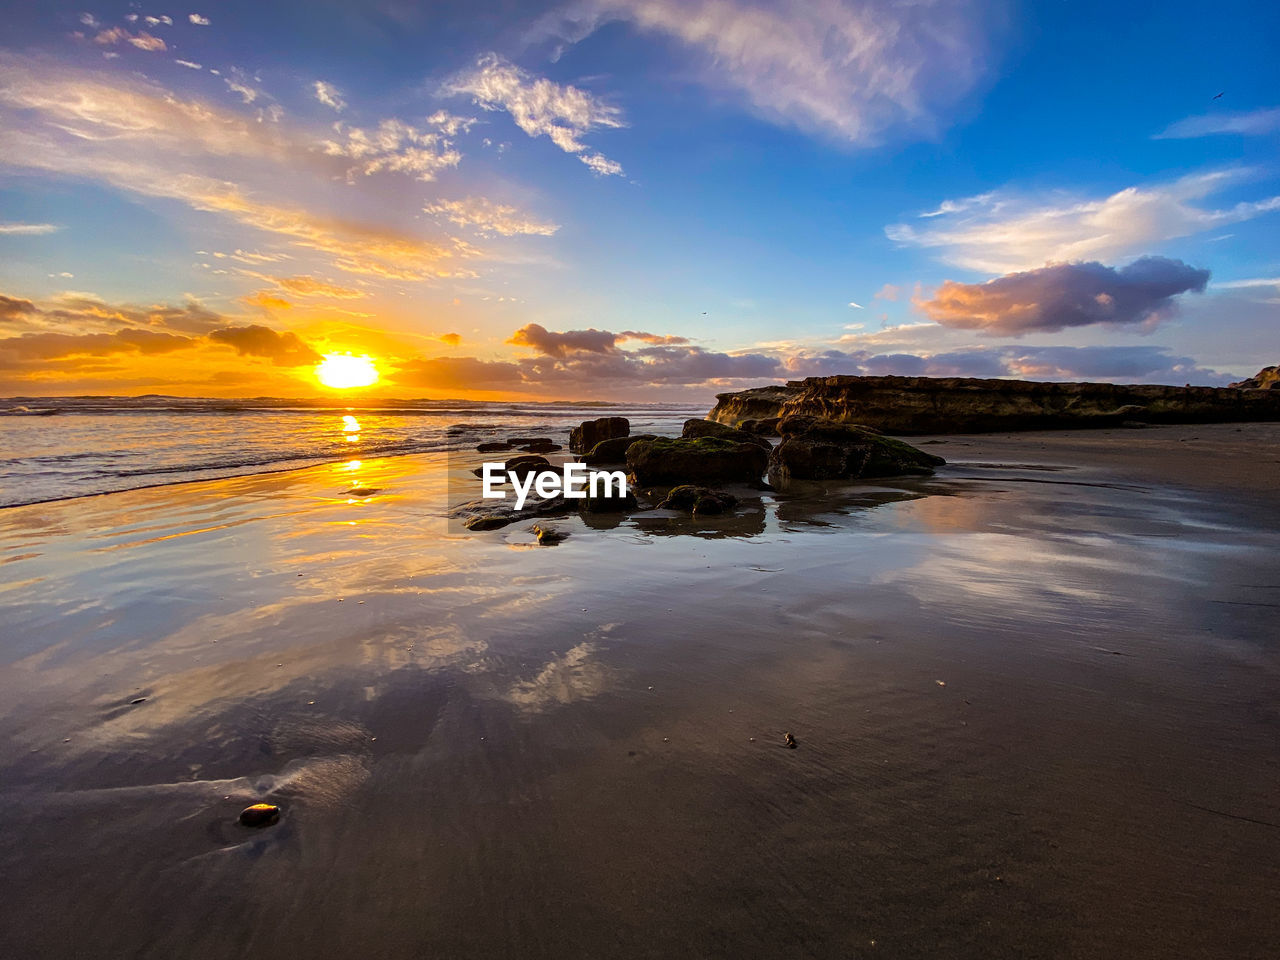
(635, 198)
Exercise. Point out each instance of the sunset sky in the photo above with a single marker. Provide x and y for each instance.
(634, 199)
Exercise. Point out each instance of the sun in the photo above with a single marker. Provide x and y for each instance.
(341, 371)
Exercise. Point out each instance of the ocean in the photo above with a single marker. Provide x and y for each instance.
(61, 447)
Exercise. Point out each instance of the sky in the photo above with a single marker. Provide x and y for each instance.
(634, 199)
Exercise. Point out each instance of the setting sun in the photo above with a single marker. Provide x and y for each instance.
(342, 371)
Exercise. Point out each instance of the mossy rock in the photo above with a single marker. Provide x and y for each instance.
(704, 460)
(613, 450)
(700, 501)
(710, 428)
(816, 449)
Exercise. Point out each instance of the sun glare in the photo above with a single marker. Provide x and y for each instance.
(342, 371)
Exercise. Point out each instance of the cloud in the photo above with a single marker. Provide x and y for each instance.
(394, 146)
(1253, 123)
(145, 140)
(28, 229)
(488, 217)
(11, 308)
(1001, 233)
(282, 349)
(1065, 295)
(450, 124)
(457, 373)
(851, 70)
(541, 107)
(329, 95)
(268, 300)
(452, 339)
(856, 306)
(188, 64)
(308, 286)
(1118, 364)
(561, 344)
(198, 20)
(888, 292)
(28, 348)
(142, 40)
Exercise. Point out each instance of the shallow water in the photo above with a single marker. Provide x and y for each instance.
(1034, 719)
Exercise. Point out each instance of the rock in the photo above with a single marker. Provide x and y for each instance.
(790, 741)
(590, 504)
(490, 521)
(1268, 378)
(259, 815)
(922, 405)
(547, 536)
(590, 432)
(542, 445)
(816, 449)
(493, 446)
(530, 464)
(703, 460)
(767, 427)
(700, 501)
(613, 450)
(709, 428)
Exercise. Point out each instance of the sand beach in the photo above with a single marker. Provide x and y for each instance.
(1034, 700)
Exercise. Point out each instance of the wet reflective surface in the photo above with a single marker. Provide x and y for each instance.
(1035, 705)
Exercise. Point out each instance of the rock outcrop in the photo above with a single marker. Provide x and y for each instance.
(590, 432)
(915, 405)
(710, 428)
(1268, 378)
(817, 449)
(705, 460)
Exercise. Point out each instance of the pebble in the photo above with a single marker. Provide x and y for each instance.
(790, 741)
(259, 815)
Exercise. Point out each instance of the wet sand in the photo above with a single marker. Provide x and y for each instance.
(1037, 700)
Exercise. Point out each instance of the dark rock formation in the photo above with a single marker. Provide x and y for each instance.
(590, 432)
(767, 427)
(613, 451)
(703, 460)
(541, 445)
(913, 405)
(709, 428)
(816, 449)
(493, 446)
(531, 464)
(700, 501)
(492, 514)
(1268, 378)
(599, 504)
(259, 815)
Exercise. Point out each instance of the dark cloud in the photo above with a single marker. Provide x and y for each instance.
(457, 373)
(12, 308)
(34, 347)
(562, 344)
(255, 340)
(1066, 295)
(1121, 364)
(191, 317)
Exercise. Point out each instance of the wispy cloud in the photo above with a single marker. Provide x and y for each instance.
(847, 69)
(198, 20)
(329, 95)
(394, 146)
(1001, 232)
(488, 217)
(143, 139)
(541, 107)
(28, 229)
(1252, 123)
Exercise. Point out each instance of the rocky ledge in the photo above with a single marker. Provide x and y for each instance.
(916, 405)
